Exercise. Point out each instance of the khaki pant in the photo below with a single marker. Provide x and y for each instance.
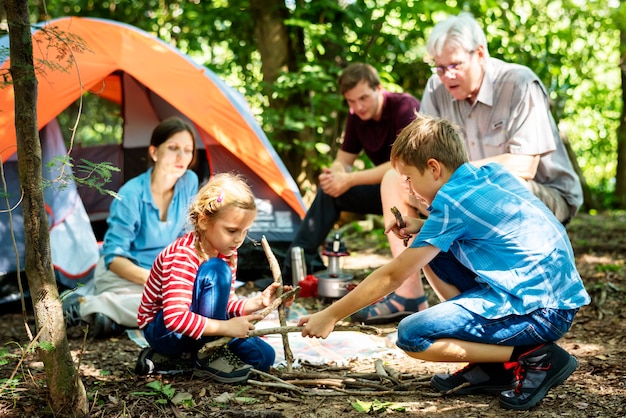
(553, 200)
(113, 296)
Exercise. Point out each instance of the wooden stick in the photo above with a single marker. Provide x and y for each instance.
(275, 385)
(282, 317)
(314, 375)
(400, 222)
(330, 384)
(274, 266)
(276, 395)
(336, 382)
(457, 388)
(265, 312)
(380, 371)
(378, 366)
(340, 391)
(366, 329)
(392, 372)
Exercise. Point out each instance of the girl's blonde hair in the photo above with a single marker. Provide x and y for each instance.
(221, 191)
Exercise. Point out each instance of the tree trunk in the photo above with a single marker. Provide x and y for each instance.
(620, 174)
(67, 393)
(278, 56)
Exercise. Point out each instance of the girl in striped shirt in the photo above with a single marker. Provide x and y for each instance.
(189, 298)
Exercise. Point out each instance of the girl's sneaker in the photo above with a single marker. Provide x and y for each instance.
(223, 366)
(151, 362)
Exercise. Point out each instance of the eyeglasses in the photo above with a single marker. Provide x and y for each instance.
(451, 69)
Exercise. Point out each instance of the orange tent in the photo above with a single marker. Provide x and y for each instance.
(151, 80)
(216, 110)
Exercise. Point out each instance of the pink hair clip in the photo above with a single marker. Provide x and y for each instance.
(221, 196)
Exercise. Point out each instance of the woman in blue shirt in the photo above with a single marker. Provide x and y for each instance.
(149, 214)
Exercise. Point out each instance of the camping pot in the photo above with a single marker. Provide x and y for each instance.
(335, 286)
(333, 283)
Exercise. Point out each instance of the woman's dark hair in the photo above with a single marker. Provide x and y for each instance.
(168, 127)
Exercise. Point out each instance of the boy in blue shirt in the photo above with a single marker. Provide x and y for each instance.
(496, 256)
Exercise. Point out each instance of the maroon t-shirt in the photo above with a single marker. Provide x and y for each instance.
(376, 137)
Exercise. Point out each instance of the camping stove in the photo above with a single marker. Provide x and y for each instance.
(333, 282)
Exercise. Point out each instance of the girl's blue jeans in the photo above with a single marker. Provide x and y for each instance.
(450, 320)
(210, 297)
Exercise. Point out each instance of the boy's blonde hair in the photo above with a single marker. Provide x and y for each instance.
(428, 137)
(221, 191)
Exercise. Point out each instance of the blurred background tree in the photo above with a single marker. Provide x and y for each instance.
(285, 56)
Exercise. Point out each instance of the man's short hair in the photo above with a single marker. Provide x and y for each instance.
(353, 74)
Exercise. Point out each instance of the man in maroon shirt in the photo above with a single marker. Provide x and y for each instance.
(376, 117)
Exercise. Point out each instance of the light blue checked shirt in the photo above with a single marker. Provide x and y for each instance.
(520, 252)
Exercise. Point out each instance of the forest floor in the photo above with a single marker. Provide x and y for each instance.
(345, 388)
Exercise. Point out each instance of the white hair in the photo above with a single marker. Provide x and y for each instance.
(460, 31)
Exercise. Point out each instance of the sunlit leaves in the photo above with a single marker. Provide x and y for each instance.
(572, 45)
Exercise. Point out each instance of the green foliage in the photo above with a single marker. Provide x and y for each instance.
(572, 45)
(376, 407)
(46, 346)
(95, 175)
(9, 386)
(162, 393)
(605, 268)
(605, 287)
(91, 121)
(226, 398)
(5, 355)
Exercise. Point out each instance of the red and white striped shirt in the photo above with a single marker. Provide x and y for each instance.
(170, 287)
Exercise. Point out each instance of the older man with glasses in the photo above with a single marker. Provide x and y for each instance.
(503, 112)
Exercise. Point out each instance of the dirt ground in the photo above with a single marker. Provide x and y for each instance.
(596, 389)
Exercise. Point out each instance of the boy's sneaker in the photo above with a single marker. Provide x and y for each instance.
(476, 378)
(537, 371)
(223, 366)
(151, 362)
